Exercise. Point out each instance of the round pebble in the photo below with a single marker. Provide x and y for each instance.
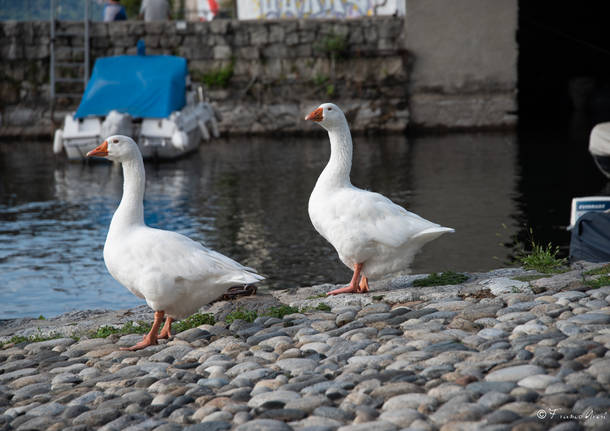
(485, 355)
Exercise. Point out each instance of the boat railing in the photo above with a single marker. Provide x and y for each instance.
(64, 73)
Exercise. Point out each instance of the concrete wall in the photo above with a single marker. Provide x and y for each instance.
(464, 62)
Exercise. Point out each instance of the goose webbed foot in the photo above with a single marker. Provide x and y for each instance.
(357, 285)
(166, 331)
(238, 291)
(347, 289)
(363, 287)
(149, 339)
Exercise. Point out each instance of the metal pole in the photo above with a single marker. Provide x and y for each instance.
(52, 58)
(86, 43)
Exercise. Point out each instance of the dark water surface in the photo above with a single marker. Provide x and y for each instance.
(247, 198)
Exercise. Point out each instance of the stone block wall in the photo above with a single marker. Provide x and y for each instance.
(263, 76)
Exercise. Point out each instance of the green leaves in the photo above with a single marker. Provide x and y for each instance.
(543, 259)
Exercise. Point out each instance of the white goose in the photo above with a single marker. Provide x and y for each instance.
(372, 235)
(174, 274)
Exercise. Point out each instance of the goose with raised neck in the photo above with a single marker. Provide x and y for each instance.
(372, 235)
(174, 274)
(131, 208)
(337, 171)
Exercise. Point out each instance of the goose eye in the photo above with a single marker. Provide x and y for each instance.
(115, 141)
(330, 109)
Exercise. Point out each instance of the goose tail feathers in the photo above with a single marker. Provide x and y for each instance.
(432, 233)
(243, 277)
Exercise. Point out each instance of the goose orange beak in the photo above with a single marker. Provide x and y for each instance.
(100, 151)
(315, 115)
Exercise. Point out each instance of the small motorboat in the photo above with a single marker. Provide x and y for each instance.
(148, 97)
(590, 229)
(599, 147)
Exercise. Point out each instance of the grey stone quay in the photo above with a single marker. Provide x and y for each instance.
(504, 350)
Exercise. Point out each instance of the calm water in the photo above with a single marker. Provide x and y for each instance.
(247, 198)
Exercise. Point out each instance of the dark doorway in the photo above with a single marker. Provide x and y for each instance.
(564, 62)
(564, 90)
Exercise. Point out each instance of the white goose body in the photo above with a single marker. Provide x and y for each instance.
(174, 274)
(364, 227)
(170, 271)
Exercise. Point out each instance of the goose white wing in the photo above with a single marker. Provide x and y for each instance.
(368, 216)
(163, 255)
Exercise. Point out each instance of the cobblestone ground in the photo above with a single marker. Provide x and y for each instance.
(493, 353)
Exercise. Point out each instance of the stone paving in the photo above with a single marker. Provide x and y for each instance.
(493, 353)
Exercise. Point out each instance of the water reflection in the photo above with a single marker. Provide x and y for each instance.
(246, 198)
(554, 167)
(466, 181)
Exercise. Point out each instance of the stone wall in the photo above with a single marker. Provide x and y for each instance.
(263, 76)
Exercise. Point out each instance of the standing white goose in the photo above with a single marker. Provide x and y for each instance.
(174, 274)
(372, 235)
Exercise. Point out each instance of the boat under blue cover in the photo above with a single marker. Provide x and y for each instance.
(139, 85)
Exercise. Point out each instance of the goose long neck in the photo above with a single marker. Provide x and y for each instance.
(131, 208)
(339, 166)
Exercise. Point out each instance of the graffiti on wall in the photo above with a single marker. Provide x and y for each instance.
(275, 9)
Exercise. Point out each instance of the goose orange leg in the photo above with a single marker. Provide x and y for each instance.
(355, 285)
(363, 287)
(166, 331)
(150, 338)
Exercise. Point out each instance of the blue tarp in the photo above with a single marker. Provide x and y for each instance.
(142, 86)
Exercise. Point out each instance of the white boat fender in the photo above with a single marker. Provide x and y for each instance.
(58, 141)
(214, 124)
(216, 113)
(204, 130)
(179, 139)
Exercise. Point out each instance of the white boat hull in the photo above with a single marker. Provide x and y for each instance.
(164, 138)
(599, 147)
